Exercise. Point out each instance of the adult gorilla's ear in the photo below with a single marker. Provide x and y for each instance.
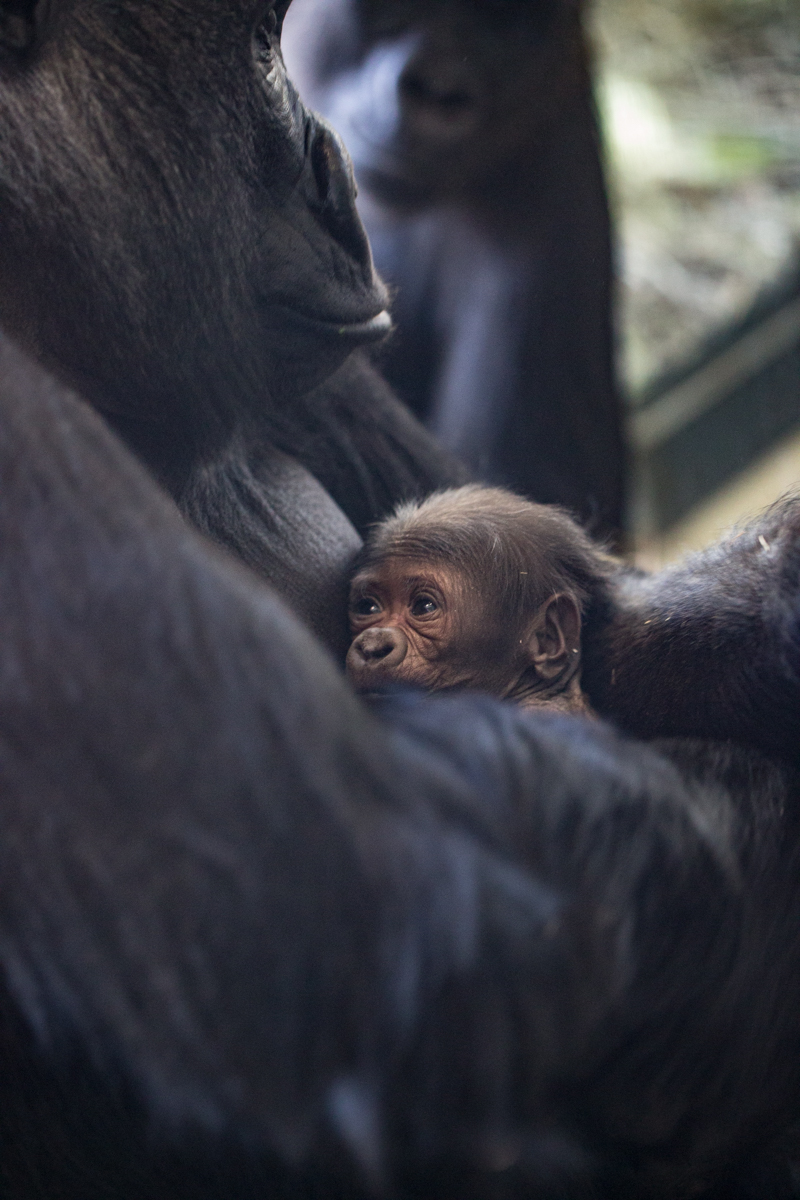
(20, 24)
(554, 640)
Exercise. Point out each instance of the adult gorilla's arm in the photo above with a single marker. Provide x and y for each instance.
(354, 944)
(709, 647)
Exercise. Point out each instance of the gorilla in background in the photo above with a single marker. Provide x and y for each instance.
(253, 938)
(473, 132)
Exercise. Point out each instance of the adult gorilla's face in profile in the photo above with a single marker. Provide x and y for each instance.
(178, 233)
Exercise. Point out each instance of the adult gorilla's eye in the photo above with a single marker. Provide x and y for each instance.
(365, 606)
(424, 606)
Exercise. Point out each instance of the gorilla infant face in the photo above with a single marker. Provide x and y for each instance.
(426, 625)
(476, 588)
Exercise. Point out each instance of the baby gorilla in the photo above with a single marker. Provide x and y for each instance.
(475, 588)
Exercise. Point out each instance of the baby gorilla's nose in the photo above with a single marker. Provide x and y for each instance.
(376, 650)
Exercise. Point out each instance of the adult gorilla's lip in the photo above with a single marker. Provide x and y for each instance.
(354, 333)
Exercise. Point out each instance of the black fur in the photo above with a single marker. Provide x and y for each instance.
(709, 647)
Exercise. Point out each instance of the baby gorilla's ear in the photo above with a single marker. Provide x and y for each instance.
(554, 639)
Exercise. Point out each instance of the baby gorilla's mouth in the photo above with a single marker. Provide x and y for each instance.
(375, 655)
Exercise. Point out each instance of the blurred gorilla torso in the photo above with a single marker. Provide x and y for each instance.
(472, 129)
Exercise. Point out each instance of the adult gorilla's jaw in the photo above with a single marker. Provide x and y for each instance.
(308, 344)
(306, 349)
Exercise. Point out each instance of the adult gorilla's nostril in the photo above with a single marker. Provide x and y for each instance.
(377, 649)
(336, 193)
(331, 170)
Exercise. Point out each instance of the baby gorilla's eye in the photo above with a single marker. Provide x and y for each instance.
(365, 606)
(424, 606)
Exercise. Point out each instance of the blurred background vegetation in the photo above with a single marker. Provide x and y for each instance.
(700, 101)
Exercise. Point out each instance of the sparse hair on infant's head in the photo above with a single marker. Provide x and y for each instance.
(476, 588)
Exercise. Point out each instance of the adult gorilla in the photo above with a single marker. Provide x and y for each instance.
(253, 938)
(180, 244)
